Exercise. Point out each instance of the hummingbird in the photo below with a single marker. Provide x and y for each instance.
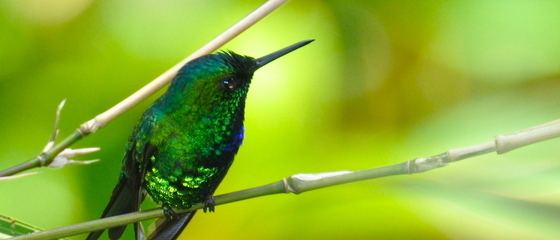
(185, 142)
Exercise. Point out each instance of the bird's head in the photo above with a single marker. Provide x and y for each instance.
(218, 82)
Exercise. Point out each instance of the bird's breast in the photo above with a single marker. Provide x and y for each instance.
(190, 163)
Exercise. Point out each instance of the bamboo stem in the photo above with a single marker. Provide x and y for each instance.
(99, 121)
(300, 183)
(163, 79)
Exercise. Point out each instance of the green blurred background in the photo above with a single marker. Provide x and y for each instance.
(385, 81)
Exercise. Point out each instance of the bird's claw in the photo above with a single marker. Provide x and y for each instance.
(209, 205)
(169, 212)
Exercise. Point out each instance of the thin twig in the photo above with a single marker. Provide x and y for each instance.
(105, 117)
(56, 130)
(91, 126)
(300, 183)
(17, 176)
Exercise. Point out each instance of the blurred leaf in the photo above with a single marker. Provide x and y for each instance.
(384, 82)
(10, 227)
(495, 216)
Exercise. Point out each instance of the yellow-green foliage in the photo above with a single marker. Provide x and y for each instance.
(384, 82)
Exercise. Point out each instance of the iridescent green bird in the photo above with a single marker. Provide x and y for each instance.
(185, 142)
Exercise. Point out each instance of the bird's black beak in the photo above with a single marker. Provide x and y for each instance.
(259, 62)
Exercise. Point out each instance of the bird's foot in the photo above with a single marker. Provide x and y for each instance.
(209, 204)
(169, 212)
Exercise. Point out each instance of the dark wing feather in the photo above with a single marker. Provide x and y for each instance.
(128, 194)
(125, 197)
(169, 229)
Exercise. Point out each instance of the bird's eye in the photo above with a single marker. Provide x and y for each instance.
(228, 84)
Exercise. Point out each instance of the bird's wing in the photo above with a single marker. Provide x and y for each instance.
(171, 228)
(128, 194)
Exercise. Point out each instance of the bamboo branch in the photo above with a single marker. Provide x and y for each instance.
(300, 183)
(99, 121)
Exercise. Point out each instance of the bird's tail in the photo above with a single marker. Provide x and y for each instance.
(126, 198)
(171, 228)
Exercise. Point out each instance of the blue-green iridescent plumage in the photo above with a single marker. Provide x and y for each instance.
(185, 142)
(197, 128)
